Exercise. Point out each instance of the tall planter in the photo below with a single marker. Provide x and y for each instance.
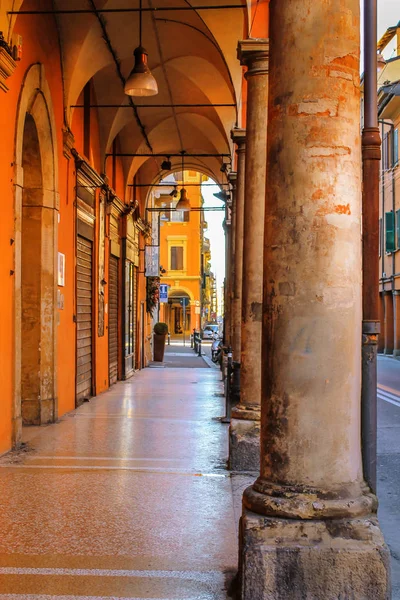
(159, 347)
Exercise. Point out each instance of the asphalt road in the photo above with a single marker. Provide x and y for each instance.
(389, 460)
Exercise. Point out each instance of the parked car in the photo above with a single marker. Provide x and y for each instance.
(209, 331)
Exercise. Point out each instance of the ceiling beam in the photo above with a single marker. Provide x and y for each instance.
(169, 155)
(155, 9)
(156, 105)
(176, 184)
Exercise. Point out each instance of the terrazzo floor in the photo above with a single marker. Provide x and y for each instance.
(127, 497)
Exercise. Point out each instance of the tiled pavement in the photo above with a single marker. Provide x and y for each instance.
(126, 497)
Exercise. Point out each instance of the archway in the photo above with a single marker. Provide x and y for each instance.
(179, 311)
(36, 219)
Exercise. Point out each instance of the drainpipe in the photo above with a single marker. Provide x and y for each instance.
(371, 154)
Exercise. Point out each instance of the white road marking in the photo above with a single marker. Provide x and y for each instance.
(388, 397)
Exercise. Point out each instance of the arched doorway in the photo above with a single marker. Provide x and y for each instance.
(179, 318)
(36, 219)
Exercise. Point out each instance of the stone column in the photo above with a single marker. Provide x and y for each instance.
(228, 274)
(244, 439)
(396, 311)
(232, 260)
(309, 526)
(389, 322)
(239, 138)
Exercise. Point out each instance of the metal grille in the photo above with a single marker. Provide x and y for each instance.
(113, 319)
(84, 320)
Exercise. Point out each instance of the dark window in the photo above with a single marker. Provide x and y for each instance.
(176, 258)
(380, 237)
(390, 239)
(386, 151)
(390, 149)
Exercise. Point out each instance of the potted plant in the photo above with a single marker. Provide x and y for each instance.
(160, 333)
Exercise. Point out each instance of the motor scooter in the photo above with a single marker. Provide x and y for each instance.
(216, 348)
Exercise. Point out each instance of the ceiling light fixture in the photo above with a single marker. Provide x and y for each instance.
(166, 165)
(140, 82)
(183, 202)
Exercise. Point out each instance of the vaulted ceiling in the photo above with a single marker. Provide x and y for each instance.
(192, 54)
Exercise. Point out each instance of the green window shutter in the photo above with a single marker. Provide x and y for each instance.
(395, 146)
(390, 241)
(397, 228)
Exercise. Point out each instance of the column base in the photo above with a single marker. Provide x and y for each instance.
(244, 445)
(333, 559)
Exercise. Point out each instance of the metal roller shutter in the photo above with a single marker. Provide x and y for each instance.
(84, 320)
(134, 315)
(113, 319)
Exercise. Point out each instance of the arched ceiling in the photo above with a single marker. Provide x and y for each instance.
(192, 55)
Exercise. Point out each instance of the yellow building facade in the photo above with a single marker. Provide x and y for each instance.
(181, 263)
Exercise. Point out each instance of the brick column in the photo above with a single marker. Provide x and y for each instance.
(309, 527)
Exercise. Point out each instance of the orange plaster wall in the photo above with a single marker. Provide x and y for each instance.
(259, 29)
(67, 327)
(37, 48)
(260, 19)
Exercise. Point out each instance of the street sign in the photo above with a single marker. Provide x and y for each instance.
(185, 301)
(163, 293)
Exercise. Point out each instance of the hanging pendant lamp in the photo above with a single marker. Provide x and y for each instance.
(183, 202)
(140, 82)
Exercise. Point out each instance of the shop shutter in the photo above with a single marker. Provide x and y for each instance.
(84, 320)
(113, 319)
(134, 315)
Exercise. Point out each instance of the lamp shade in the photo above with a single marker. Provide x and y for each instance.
(183, 202)
(141, 82)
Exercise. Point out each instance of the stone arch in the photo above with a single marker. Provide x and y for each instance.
(36, 223)
(181, 291)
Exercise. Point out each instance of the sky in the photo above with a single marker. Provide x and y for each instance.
(388, 15)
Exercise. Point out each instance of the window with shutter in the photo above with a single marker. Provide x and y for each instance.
(176, 258)
(390, 239)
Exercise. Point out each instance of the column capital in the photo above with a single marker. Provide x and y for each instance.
(238, 137)
(232, 177)
(254, 54)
